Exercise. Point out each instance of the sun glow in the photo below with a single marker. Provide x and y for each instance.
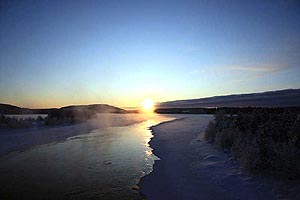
(148, 105)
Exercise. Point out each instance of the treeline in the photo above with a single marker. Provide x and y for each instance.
(227, 110)
(264, 140)
(68, 116)
(55, 117)
(13, 122)
(62, 116)
(79, 114)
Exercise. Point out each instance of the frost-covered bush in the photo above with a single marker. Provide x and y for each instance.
(264, 140)
(210, 133)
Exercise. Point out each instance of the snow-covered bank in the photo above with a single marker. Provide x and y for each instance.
(190, 168)
(13, 140)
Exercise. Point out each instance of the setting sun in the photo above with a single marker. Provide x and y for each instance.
(148, 105)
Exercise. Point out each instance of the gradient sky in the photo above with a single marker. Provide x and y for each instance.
(56, 53)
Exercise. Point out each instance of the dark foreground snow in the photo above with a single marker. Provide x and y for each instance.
(190, 168)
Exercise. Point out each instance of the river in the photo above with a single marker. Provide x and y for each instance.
(102, 164)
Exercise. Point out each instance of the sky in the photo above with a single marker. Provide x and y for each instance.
(57, 53)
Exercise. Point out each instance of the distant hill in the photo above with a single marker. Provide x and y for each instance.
(279, 98)
(10, 109)
(96, 108)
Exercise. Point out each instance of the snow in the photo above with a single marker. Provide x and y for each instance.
(190, 168)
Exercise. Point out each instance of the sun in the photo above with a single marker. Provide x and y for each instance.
(148, 105)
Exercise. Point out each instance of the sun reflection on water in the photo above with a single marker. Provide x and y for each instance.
(148, 124)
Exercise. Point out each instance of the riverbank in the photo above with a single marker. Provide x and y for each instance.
(190, 168)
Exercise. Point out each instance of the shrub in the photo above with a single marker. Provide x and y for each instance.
(264, 140)
(210, 132)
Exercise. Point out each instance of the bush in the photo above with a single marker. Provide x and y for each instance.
(264, 141)
(210, 133)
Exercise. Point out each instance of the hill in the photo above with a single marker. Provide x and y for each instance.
(7, 109)
(279, 98)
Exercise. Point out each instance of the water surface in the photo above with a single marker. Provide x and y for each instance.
(103, 164)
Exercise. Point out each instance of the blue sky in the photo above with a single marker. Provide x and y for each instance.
(56, 53)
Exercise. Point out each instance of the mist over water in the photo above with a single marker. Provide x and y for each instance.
(103, 164)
